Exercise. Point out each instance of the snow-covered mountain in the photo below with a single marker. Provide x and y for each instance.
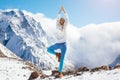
(20, 32)
(24, 36)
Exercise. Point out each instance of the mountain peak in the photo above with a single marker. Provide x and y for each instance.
(12, 12)
(22, 35)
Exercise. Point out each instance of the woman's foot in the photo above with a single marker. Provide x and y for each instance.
(60, 75)
(58, 56)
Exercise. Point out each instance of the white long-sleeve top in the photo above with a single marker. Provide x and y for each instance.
(61, 33)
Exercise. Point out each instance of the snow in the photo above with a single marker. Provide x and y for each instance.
(12, 69)
(102, 75)
(47, 72)
(99, 75)
(7, 52)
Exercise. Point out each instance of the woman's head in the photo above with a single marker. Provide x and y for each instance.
(62, 21)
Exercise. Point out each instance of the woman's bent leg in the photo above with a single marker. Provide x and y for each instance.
(52, 48)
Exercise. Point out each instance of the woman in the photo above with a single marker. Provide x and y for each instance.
(61, 25)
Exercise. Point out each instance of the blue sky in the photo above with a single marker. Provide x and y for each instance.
(81, 12)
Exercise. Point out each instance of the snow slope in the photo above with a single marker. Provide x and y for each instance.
(12, 69)
(7, 52)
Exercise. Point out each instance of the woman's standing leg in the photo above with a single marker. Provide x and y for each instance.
(63, 51)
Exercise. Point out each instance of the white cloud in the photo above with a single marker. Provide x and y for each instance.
(97, 44)
(92, 45)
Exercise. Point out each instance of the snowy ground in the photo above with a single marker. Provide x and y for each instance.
(102, 75)
(12, 69)
(99, 75)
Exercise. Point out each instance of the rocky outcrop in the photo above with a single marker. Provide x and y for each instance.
(100, 68)
(83, 69)
(117, 67)
(34, 75)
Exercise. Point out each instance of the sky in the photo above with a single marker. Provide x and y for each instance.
(81, 12)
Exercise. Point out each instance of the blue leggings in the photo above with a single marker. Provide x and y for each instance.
(62, 47)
